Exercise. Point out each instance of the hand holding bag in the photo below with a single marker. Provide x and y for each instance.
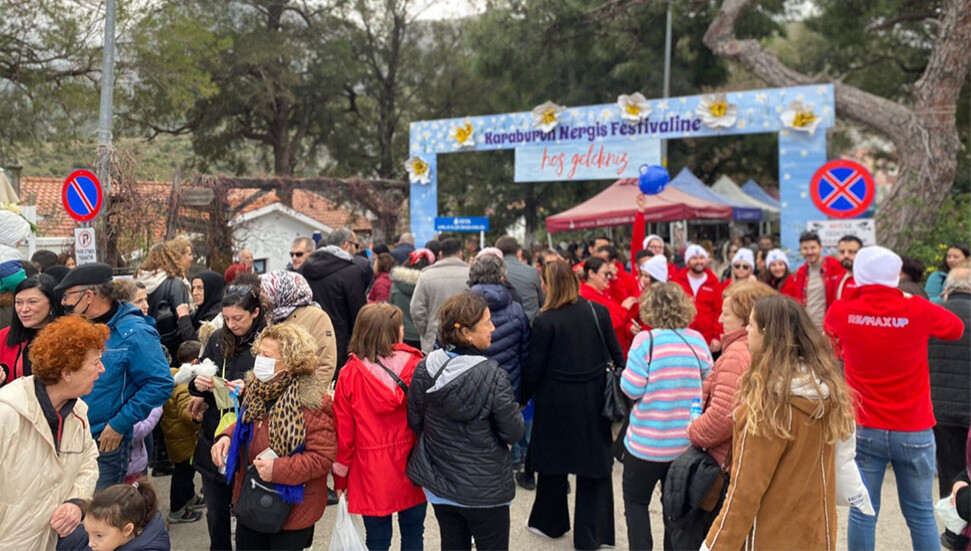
(615, 407)
(346, 535)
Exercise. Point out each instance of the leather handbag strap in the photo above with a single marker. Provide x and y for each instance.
(603, 342)
(397, 380)
(692, 349)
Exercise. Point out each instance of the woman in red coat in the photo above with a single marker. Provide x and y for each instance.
(35, 307)
(373, 437)
(597, 274)
(777, 274)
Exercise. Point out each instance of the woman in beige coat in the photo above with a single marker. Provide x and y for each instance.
(48, 459)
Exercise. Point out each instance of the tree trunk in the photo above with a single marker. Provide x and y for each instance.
(925, 136)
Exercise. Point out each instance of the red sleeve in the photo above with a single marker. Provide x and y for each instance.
(637, 238)
(346, 429)
(944, 324)
(833, 326)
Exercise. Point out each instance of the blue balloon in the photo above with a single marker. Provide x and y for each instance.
(653, 179)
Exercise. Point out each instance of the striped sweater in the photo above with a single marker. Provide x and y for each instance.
(663, 383)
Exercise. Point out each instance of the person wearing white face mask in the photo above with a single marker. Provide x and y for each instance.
(284, 436)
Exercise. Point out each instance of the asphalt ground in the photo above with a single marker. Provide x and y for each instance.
(892, 532)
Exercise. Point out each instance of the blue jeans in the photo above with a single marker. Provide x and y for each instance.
(912, 456)
(113, 465)
(519, 448)
(411, 523)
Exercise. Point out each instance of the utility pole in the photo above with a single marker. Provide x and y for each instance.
(103, 168)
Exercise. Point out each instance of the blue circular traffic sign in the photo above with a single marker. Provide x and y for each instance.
(82, 195)
(842, 189)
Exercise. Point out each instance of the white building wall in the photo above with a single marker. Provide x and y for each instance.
(269, 237)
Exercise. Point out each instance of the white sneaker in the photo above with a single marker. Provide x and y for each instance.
(539, 532)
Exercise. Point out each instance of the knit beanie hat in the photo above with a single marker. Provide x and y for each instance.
(877, 266)
(652, 237)
(776, 254)
(11, 269)
(693, 251)
(744, 256)
(656, 267)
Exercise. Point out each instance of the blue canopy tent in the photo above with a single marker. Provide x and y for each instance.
(756, 192)
(687, 182)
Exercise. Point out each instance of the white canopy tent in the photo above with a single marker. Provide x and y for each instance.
(727, 188)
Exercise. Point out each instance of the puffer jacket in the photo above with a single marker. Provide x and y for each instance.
(340, 287)
(403, 281)
(181, 432)
(510, 340)
(34, 479)
(154, 537)
(950, 367)
(713, 430)
(466, 417)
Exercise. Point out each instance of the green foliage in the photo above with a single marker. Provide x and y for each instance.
(953, 226)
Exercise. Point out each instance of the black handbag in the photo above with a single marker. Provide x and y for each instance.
(616, 407)
(260, 507)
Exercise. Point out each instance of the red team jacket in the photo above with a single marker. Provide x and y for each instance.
(708, 303)
(832, 272)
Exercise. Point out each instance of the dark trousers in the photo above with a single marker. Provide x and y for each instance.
(593, 510)
(411, 524)
(286, 540)
(219, 499)
(951, 442)
(182, 488)
(458, 525)
(640, 478)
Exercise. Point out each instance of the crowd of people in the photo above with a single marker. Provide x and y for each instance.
(403, 376)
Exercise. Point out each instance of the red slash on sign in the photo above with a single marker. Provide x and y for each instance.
(842, 189)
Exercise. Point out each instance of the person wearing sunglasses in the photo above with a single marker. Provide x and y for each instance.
(300, 251)
(743, 268)
(50, 459)
(597, 276)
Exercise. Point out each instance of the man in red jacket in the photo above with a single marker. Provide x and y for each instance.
(846, 250)
(702, 284)
(818, 278)
(883, 336)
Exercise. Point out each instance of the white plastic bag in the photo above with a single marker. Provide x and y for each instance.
(948, 514)
(850, 489)
(346, 535)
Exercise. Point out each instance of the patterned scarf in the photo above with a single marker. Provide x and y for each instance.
(286, 291)
(287, 429)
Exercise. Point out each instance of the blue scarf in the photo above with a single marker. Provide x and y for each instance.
(241, 439)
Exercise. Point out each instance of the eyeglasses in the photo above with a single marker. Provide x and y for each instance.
(741, 266)
(241, 291)
(69, 293)
(296, 254)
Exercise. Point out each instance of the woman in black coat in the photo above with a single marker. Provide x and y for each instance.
(464, 412)
(230, 349)
(565, 377)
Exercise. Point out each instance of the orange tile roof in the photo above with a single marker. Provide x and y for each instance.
(52, 221)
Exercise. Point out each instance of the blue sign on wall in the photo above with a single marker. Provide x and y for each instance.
(462, 223)
(596, 160)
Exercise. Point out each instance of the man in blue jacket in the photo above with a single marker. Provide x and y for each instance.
(136, 378)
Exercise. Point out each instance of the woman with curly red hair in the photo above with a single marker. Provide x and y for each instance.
(48, 459)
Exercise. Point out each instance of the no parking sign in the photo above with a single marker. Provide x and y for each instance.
(842, 189)
(84, 246)
(82, 196)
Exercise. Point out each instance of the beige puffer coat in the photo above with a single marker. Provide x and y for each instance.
(34, 478)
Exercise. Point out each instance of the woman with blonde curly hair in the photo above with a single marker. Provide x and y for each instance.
(793, 407)
(664, 374)
(284, 439)
(163, 274)
(48, 459)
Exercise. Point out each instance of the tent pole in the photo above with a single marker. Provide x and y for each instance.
(549, 239)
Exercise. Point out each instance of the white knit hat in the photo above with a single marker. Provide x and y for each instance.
(877, 266)
(776, 254)
(744, 255)
(13, 228)
(656, 267)
(650, 238)
(694, 250)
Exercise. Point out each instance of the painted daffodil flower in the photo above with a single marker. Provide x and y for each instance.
(800, 117)
(463, 134)
(633, 108)
(418, 170)
(716, 112)
(547, 115)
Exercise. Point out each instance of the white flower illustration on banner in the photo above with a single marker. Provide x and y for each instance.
(418, 170)
(799, 116)
(464, 134)
(715, 111)
(547, 115)
(633, 108)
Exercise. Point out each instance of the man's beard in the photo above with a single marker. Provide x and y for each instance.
(698, 269)
(847, 265)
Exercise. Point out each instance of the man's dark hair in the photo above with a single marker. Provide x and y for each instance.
(610, 250)
(435, 246)
(641, 255)
(853, 238)
(913, 268)
(45, 258)
(188, 351)
(451, 247)
(508, 245)
(809, 236)
(380, 248)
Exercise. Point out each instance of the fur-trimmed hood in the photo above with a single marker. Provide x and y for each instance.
(311, 390)
(402, 274)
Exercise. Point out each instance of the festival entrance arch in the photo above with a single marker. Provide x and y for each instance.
(611, 141)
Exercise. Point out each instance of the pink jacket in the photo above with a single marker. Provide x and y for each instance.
(713, 430)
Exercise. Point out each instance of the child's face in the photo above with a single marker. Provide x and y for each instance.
(105, 537)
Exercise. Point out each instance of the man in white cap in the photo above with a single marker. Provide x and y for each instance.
(882, 335)
(702, 284)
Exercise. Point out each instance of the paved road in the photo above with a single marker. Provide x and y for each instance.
(892, 531)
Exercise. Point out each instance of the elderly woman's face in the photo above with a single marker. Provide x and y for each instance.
(82, 380)
(33, 308)
(271, 349)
